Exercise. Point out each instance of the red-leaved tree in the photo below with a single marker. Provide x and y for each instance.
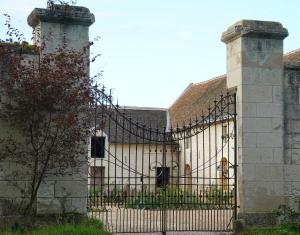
(44, 113)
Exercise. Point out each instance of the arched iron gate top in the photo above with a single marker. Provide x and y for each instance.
(150, 177)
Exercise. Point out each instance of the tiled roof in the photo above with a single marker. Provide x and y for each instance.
(195, 99)
(293, 56)
(154, 117)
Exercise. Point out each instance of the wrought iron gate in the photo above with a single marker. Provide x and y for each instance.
(146, 176)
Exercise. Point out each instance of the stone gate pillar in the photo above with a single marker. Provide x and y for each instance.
(57, 27)
(255, 69)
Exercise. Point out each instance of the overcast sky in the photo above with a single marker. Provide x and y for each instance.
(152, 49)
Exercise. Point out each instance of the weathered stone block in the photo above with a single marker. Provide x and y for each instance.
(278, 155)
(266, 155)
(234, 61)
(13, 189)
(292, 172)
(71, 188)
(269, 110)
(262, 155)
(264, 60)
(295, 188)
(293, 125)
(259, 201)
(79, 205)
(249, 139)
(233, 77)
(277, 94)
(279, 188)
(250, 155)
(4, 171)
(248, 110)
(270, 140)
(249, 171)
(262, 45)
(262, 76)
(295, 158)
(257, 125)
(81, 173)
(292, 141)
(255, 93)
(53, 205)
(269, 172)
(291, 95)
(46, 189)
(234, 47)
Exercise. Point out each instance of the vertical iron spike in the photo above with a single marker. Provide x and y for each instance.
(221, 94)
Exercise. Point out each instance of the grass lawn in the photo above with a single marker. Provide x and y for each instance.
(91, 227)
(278, 231)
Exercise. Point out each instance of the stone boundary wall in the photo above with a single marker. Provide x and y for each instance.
(291, 83)
(54, 27)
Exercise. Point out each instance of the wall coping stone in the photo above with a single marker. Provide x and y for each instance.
(61, 14)
(254, 28)
(292, 65)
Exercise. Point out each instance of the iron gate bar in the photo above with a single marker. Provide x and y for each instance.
(129, 198)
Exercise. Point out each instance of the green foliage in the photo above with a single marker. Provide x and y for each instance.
(289, 216)
(274, 231)
(89, 227)
(217, 196)
(173, 197)
(23, 47)
(97, 195)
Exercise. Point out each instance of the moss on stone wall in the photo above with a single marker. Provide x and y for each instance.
(24, 47)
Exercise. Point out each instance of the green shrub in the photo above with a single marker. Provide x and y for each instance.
(216, 196)
(288, 216)
(96, 197)
(174, 197)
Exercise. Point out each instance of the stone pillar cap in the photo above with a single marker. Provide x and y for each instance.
(64, 14)
(254, 28)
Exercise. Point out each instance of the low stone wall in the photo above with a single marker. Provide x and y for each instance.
(292, 131)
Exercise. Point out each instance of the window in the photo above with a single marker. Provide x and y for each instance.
(97, 174)
(162, 176)
(97, 147)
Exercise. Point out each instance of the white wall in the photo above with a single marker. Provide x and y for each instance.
(126, 164)
(205, 159)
